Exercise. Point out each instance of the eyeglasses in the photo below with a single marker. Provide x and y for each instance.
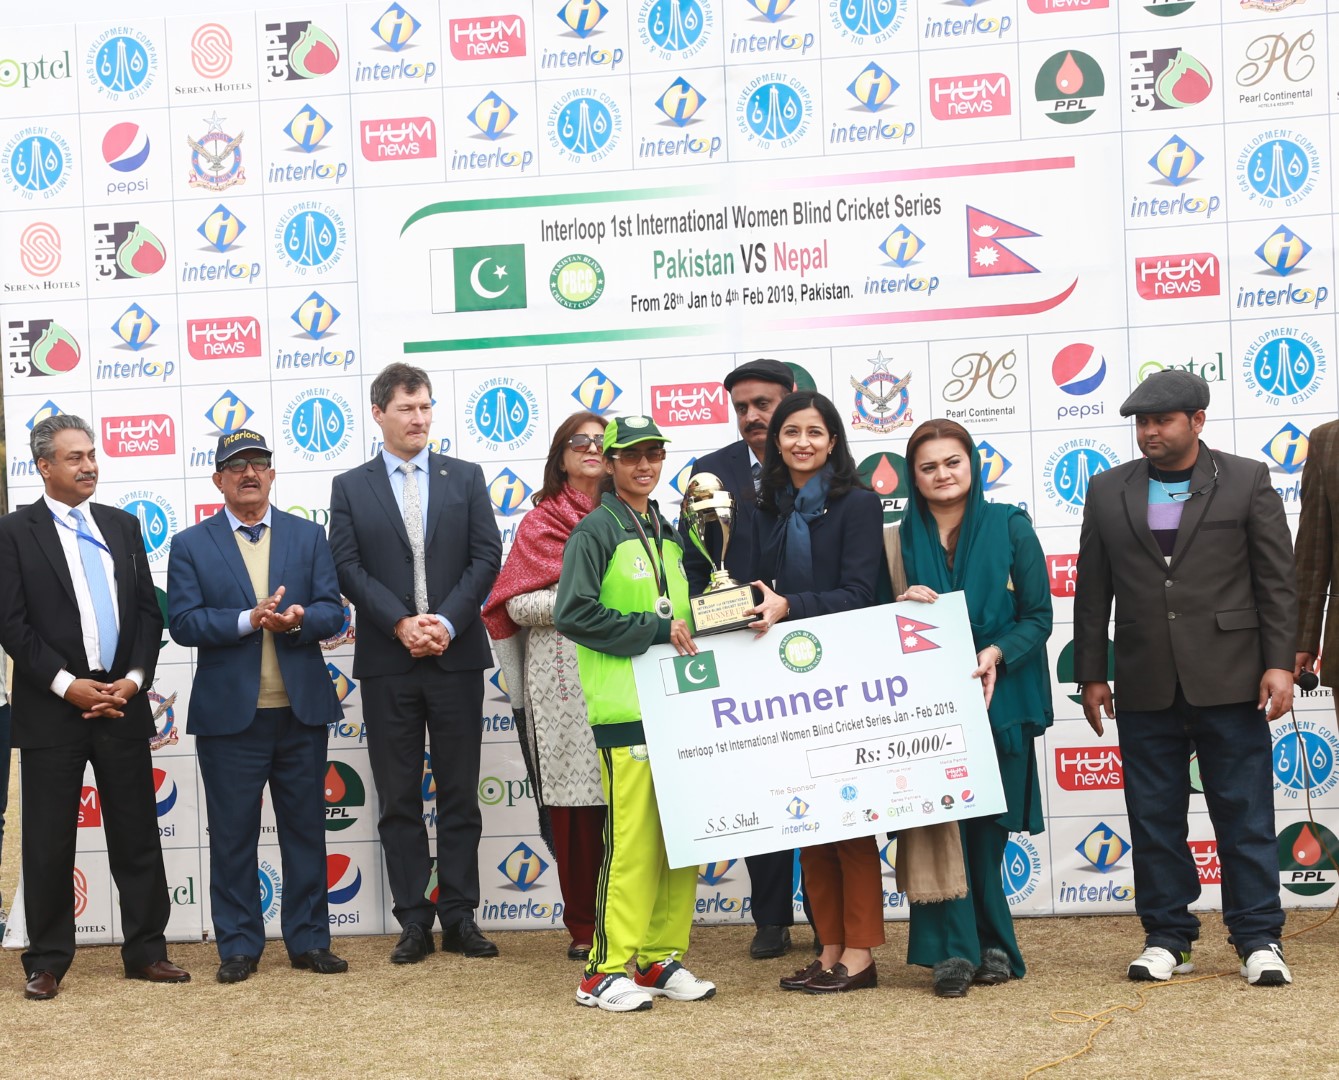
(240, 465)
(1186, 496)
(634, 454)
(585, 442)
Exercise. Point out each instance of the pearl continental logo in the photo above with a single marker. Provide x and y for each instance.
(867, 22)
(585, 126)
(502, 413)
(800, 651)
(121, 63)
(1285, 364)
(774, 110)
(1071, 467)
(576, 282)
(36, 161)
(310, 238)
(157, 520)
(318, 424)
(675, 29)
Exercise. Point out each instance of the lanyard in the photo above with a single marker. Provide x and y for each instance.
(79, 532)
(664, 606)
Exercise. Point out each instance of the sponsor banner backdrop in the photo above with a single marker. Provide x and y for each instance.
(1005, 212)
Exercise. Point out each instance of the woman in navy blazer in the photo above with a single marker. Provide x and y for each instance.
(818, 547)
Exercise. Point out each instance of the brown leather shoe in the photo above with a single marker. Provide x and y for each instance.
(42, 986)
(160, 971)
(837, 980)
(801, 977)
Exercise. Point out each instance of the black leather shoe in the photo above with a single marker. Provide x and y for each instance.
(236, 969)
(466, 938)
(837, 980)
(321, 961)
(578, 952)
(801, 977)
(415, 943)
(769, 942)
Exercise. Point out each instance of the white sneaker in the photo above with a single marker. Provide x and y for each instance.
(1266, 967)
(612, 993)
(1158, 965)
(671, 979)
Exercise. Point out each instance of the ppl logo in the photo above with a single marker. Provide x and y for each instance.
(403, 138)
(39, 249)
(713, 873)
(90, 809)
(149, 435)
(1175, 277)
(229, 413)
(523, 866)
(395, 27)
(1069, 86)
(486, 37)
(1207, 866)
(1103, 848)
(315, 315)
(344, 794)
(233, 337)
(508, 493)
(962, 97)
(211, 51)
(1062, 572)
(1305, 852)
(164, 792)
(1288, 448)
(36, 347)
(597, 392)
(1089, 768)
(684, 404)
(125, 147)
(298, 50)
(1175, 160)
(343, 878)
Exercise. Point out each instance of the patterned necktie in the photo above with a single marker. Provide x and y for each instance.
(104, 607)
(252, 532)
(757, 477)
(413, 525)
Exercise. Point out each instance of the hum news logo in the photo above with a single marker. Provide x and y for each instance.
(683, 404)
(1089, 768)
(139, 436)
(1207, 866)
(486, 37)
(963, 97)
(1062, 574)
(229, 337)
(1175, 277)
(399, 138)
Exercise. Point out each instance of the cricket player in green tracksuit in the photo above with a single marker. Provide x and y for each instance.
(623, 590)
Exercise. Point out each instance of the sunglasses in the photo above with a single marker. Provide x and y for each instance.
(585, 442)
(633, 454)
(240, 465)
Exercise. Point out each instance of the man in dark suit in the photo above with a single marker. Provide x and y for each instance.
(417, 550)
(1317, 554)
(80, 620)
(1193, 547)
(253, 590)
(755, 389)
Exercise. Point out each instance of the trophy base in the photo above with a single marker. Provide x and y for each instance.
(722, 610)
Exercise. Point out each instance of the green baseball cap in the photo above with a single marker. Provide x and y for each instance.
(625, 430)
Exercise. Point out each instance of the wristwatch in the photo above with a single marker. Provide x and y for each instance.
(294, 629)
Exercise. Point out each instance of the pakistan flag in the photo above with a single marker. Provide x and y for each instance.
(684, 674)
(488, 278)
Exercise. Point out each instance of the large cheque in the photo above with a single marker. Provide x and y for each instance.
(823, 729)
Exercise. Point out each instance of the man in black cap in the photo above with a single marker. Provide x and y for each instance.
(1193, 547)
(755, 389)
(253, 589)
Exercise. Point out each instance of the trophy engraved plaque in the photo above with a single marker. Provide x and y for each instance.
(724, 604)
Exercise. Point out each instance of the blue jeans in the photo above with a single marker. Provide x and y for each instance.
(1234, 750)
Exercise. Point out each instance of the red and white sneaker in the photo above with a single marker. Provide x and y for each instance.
(671, 979)
(612, 992)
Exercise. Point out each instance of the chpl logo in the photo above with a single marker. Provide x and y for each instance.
(315, 315)
(211, 51)
(402, 138)
(597, 392)
(1071, 467)
(684, 404)
(310, 237)
(395, 26)
(886, 473)
(774, 110)
(1089, 768)
(713, 873)
(1288, 448)
(492, 116)
(1304, 760)
(486, 37)
(234, 337)
(135, 326)
(1285, 364)
(1175, 277)
(221, 228)
(125, 147)
(271, 890)
(962, 97)
(1020, 868)
(585, 125)
(345, 794)
(873, 87)
(1278, 168)
(298, 50)
(343, 878)
(216, 157)
(37, 159)
(125, 250)
(344, 686)
(139, 436)
(308, 129)
(1306, 851)
(229, 413)
(121, 63)
(35, 347)
(867, 22)
(1207, 866)
(882, 403)
(157, 520)
(993, 464)
(39, 249)
(523, 866)
(1175, 160)
(680, 101)
(1166, 79)
(502, 412)
(1069, 85)
(675, 29)
(1103, 847)
(1282, 250)
(318, 424)
(508, 493)
(1062, 574)
(164, 792)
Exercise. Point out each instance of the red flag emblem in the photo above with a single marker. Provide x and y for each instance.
(911, 635)
(986, 256)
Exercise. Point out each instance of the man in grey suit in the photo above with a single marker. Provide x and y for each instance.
(417, 549)
(1193, 547)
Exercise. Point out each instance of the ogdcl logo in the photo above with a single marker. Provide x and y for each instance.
(1304, 758)
(1070, 469)
(1020, 869)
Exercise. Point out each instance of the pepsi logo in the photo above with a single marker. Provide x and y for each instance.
(343, 878)
(164, 792)
(1078, 369)
(125, 147)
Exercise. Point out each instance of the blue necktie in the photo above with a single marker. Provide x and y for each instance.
(252, 532)
(757, 477)
(104, 607)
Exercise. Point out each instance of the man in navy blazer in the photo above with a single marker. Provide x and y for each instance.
(254, 591)
(417, 550)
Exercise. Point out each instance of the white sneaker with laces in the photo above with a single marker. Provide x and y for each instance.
(671, 979)
(1156, 964)
(612, 993)
(1266, 967)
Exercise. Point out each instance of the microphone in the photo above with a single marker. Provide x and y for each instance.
(1307, 681)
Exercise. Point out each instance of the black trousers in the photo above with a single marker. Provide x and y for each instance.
(52, 778)
(399, 710)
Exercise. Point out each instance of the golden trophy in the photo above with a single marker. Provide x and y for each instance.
(724, 604)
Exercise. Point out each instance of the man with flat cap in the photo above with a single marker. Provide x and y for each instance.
(1192, 545)
(755, 389)
(254, 591)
